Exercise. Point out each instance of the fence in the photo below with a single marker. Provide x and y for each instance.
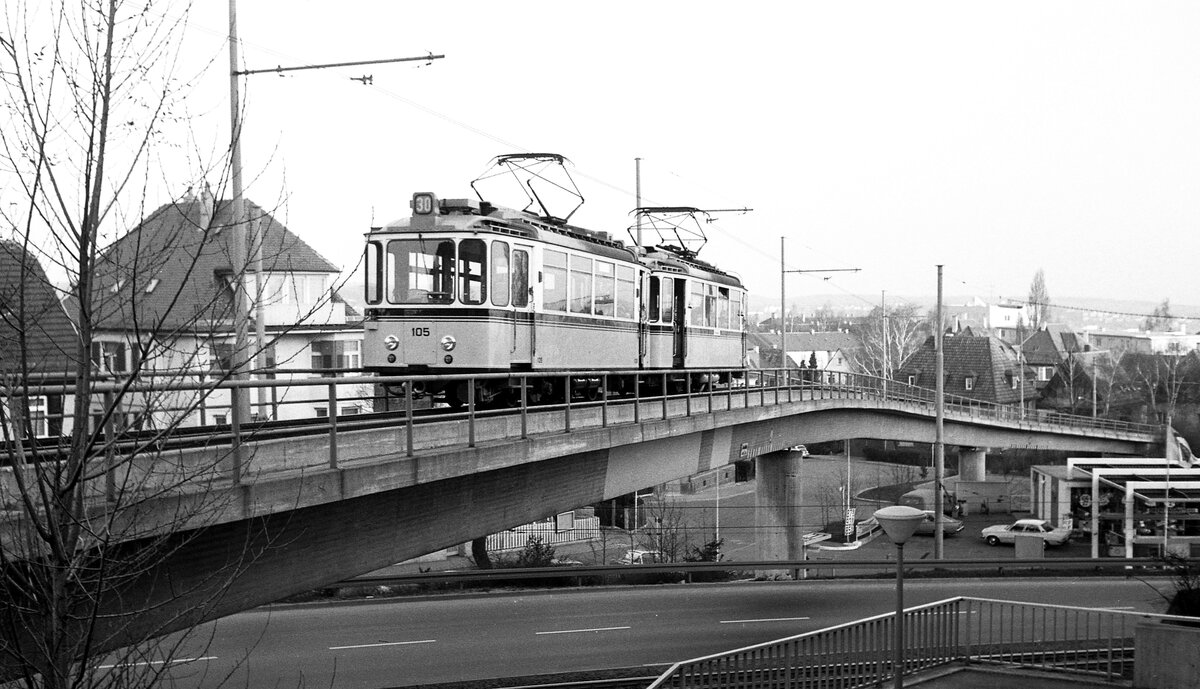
(1094, 642)
(581, 529)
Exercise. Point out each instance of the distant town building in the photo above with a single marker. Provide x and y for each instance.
(825, 351)
(1006, 318)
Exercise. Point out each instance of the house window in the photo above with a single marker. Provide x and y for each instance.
(349, 411)
(221, 355)
(109, 357)
(969, 383)
(912, 380)
(327, 354)
(1044, 373)
(321, 412)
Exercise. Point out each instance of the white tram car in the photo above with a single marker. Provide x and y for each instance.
(463, 286)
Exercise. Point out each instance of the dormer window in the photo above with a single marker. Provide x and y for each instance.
(912, 380)
(969, 383)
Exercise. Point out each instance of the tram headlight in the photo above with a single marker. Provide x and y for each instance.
(391, 342)
(449, 343)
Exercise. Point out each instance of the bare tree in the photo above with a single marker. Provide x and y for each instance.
(1160, 319)
(1039, 301)
(829, 495)
(889, 336)
(668, 530)
(91, 502)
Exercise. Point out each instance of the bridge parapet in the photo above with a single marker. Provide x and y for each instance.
(408, 447)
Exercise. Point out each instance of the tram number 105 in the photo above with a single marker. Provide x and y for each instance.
(420, 332)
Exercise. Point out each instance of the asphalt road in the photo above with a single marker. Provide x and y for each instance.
(397, 642)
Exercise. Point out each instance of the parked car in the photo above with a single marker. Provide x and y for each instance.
(1007, 533)
(801, 449)
(950, 525)
(641, 557)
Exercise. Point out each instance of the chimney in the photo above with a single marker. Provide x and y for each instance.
(206, 207)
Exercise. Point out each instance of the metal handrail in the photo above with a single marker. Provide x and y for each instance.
(1093, 641)
(772, 387)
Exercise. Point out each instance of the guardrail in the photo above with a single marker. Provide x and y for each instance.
(1094, 642)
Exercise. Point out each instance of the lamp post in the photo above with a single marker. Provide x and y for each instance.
(899, 522)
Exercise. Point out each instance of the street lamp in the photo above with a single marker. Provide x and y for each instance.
(899, 522)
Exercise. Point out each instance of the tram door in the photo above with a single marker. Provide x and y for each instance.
(524, 338)
(679, 323)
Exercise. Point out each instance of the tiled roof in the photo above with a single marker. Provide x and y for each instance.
(989, 360)
(29, 304)
(807, 342)
(172, 270)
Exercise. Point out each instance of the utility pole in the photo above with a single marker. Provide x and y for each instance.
(783, 271)
(887, 340)
(637, 171)
(939, 451)
(240, 401)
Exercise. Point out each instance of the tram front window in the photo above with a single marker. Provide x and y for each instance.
(420, 271)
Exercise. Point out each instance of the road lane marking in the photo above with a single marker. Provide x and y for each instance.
(176, 661)
(383, 643)
(580, 631)
(766, 619)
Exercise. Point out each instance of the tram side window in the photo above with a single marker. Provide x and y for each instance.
(554, 281)
(472, 266)
(668, 300)
(723, 308)
(420, 271)
(520, 278)
(581, 284)
(374, 279)
(652, 300)
(625, 292)
(697, 304)
(500, 283)
(735, 311)
(606, 289)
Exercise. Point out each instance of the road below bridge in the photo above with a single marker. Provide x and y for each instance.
(398, 642)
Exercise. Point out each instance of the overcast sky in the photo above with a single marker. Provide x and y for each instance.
(994, 138)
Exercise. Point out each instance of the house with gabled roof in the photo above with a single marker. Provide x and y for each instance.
(979, 367)
(824, 351)
(1046, 349)
(164, 302)
(38, 342)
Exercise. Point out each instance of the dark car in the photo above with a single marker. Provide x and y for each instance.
(950, 525)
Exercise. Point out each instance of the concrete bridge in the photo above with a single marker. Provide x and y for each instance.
(272, 518)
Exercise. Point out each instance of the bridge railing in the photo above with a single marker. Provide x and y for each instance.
(1095, 642)
(661, 394)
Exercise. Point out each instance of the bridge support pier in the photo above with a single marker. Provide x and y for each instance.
(972, 465)
(778, 498)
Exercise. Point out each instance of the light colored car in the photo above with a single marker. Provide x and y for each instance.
(801, 449)
(950, 525)
(1007, 533)
(641, 557)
